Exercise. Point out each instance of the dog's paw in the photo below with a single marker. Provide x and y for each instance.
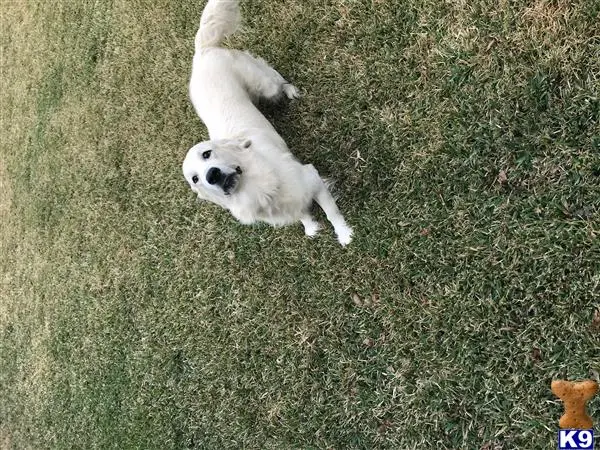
(311, 227)
(344, 234)
(291, 91)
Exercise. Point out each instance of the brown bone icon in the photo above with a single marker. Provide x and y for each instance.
(575, 395)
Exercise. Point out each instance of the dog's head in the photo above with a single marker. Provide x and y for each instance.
(215, 169)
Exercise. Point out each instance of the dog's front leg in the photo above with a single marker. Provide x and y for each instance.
(311, 226)
(326, 201)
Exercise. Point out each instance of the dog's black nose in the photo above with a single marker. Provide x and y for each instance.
(213, 175)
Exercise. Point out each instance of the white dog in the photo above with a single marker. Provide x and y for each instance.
(246, 167)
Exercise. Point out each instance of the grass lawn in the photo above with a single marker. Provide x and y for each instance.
(464, 139)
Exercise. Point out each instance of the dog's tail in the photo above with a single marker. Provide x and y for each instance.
(220, 18)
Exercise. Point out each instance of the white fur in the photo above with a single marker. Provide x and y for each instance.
(273, 186)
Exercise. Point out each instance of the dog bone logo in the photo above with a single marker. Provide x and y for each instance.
(575, 395)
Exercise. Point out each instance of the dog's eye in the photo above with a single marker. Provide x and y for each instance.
(195, 179)
(206, 154)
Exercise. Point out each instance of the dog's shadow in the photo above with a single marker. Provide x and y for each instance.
(276, 112)
(280, 114)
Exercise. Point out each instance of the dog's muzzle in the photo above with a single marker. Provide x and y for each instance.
(228, 182)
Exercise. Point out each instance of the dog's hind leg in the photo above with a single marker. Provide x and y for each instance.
(326, 201)
(262, 81)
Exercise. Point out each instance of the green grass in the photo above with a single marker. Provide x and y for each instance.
(464, 139)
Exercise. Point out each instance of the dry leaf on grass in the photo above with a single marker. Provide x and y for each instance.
(596, 320)
(502, 178)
